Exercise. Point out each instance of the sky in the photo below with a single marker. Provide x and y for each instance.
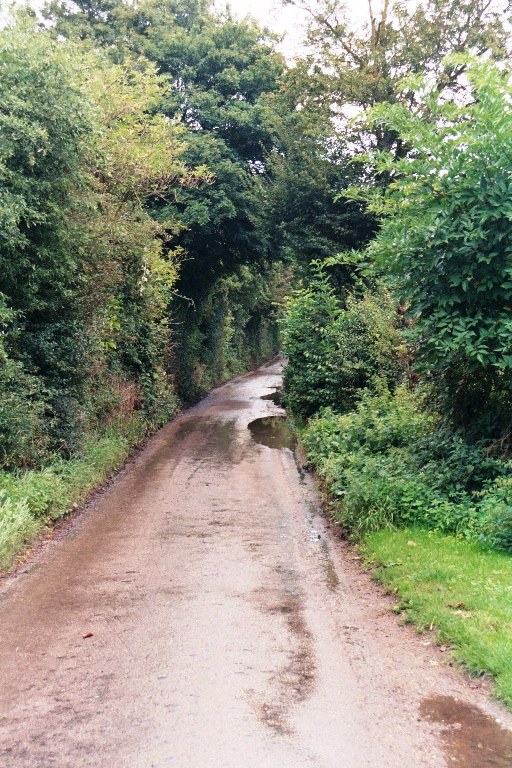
(286, 20)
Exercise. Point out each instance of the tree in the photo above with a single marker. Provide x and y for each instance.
(364, 65)
(348, 69)
(309, 219)
(85, 280)
(447, 236)
(219, 72)
(42, 153)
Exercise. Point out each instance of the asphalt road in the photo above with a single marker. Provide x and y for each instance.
(202, 614)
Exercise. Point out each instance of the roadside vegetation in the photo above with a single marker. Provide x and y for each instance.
(183, 203)
(31, 499)
(138, 267)
(400, 351)
(456, 587)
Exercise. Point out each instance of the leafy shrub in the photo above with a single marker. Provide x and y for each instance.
(374, 469)
(309, 343)
(447, 233)
(335, 351)
(42, 492)
(368, 345)
(496, 508)
(22, 436)
(454, 465)
(380, 421)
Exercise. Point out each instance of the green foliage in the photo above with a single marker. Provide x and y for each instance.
(17, 528)
(355, 61)
(233, 329)
(309, 219)
(335, 349)
(390, 465)
(41, 163)
(364, 63)
(496, 506)
(309, 342)
(22, 432)
(87, 274)
(447, 235)
(42, 492)
(219, 72)
(392, 462)
(367, 459)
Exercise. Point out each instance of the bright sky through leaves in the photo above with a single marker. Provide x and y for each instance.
(287, 20)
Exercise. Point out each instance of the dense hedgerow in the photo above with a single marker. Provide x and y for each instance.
(446, 236)
(391, 457)
(390, 464)
(335, 347)
(134, 258)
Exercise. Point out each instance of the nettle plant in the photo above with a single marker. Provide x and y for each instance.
(447, 233)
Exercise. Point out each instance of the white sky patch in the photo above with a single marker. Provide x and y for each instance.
(285, 20)
(288, 20)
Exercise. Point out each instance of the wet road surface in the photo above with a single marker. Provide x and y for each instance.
(201, 614)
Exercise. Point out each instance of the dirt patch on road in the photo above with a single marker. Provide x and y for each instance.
(471, 738)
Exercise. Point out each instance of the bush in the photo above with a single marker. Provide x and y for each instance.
(447, 234)
(496, 508)
(42, 492)
(368, 345)
(22, 437)
(381, 420)
(336, 350)
(376, 466)
(309, 343)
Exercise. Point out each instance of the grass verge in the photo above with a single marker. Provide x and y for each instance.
(455, 586)
(31, 500)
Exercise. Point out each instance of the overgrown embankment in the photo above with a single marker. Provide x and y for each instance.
(135, 265)
(430, 514)
(404, 375)
(34, 499)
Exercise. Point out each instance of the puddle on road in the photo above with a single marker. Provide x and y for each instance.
(214, 441)
(232, 405)
(470, 737)
(275, 397)
(220, 444)
(186, 428)
(274, 432)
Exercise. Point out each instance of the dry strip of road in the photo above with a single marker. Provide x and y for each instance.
(200, 614)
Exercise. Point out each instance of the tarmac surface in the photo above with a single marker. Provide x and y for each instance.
(202, 613)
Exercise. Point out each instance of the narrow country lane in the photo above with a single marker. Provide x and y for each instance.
(228, 627)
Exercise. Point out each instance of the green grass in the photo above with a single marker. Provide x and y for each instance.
(17, 526)
(457, 587)
(30, 500)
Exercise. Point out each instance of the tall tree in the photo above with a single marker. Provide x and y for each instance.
(83, 273)
(219, 72)
(348, 68)
(447, 236)
(360, 65)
